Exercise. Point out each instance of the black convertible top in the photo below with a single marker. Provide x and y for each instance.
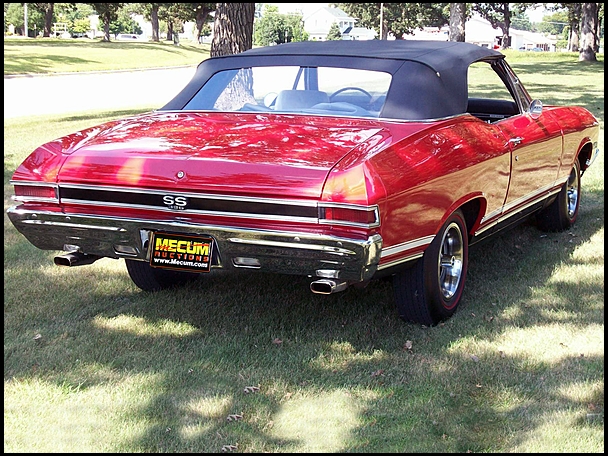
(429, 77)
(431, 53)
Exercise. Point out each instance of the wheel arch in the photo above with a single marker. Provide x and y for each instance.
(584, 155)
(473, 211)
(473, 207)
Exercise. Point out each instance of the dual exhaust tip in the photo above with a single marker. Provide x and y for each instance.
(322, 286)
(75, 259)
(327, 286)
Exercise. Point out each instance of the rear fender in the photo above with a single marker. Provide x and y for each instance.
(473, 207)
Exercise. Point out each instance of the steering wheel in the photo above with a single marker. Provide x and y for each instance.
(344, 89)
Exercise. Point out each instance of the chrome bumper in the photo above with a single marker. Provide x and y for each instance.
(295, 253)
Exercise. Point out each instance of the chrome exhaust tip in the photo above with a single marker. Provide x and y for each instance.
(326, 286)
(75, 259)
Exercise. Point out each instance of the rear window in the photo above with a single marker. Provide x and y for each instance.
(294, 89)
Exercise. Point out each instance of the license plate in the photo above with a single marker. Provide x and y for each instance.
(181, 251)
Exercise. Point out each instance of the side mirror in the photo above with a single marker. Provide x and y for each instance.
(535, 109)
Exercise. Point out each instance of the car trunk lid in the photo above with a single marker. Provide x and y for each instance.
(227, 153)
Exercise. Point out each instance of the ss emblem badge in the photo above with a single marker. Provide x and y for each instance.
(175, 202)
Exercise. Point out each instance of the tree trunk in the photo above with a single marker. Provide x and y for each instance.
(575, 21)
(574, 39)
(169, 30)
(506, 42)
(201, 18)
(457, 21)
(232, 28)
(48, 20)
(596, 47)
(154, 22)
(106, 29)
(589, 26)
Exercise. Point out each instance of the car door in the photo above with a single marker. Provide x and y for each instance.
(536, 145)
(534, 139)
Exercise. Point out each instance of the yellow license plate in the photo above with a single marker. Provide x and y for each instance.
(181, 251)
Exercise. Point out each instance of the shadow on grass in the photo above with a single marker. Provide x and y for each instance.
(17, 61)
(428, 399)
(98, 44)
(207, 341)
(93, 116)
(560, 68)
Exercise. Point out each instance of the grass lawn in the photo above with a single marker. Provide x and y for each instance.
(257, 363)
(55, 55)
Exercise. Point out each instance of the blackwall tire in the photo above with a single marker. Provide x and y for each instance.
(563, 211)
(431, 290)
(154, 279)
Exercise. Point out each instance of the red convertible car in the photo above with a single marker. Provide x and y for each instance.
(340, 161)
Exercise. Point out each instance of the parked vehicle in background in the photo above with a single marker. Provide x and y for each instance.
(534, 49)
(128, 37)
(341, 161)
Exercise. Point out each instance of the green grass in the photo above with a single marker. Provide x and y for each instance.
(54, 55)
(92, 364)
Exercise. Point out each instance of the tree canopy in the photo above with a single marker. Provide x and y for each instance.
(581, 24)
(272, 27)
(398, 19)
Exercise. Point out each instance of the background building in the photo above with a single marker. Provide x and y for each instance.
(317, 24)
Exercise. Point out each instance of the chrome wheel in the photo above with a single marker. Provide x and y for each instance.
(563, 210)
(430, 290)
(573, 188)
(451, 261)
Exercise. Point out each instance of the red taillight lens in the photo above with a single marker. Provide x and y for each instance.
(35, 193)
(355, 216)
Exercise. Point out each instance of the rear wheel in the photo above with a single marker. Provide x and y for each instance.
(154, 279)
(431, 289)
(561, 213)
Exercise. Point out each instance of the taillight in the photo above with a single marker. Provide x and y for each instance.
(350, 215)
(349, 195)
(34, 192)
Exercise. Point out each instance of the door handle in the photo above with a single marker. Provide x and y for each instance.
(516, 141)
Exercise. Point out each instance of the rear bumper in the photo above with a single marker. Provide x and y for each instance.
(353, 260)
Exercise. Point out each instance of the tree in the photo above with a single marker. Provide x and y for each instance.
(553, 24)
(334, 33)
(107, 12)
(274, 28)
(599, 30)
(295, 26)
(125, 23)
(232, 28)
(13, 15)
(47, 11)
(458, 17)
(521, 21)
(499, 16)
(171, 14)
(176, 14)
(76, 15)
(268, 27)
(150, 12)
(589, 31)
(574, 17)
(398, 19)
(232, 34)
(202, 13)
